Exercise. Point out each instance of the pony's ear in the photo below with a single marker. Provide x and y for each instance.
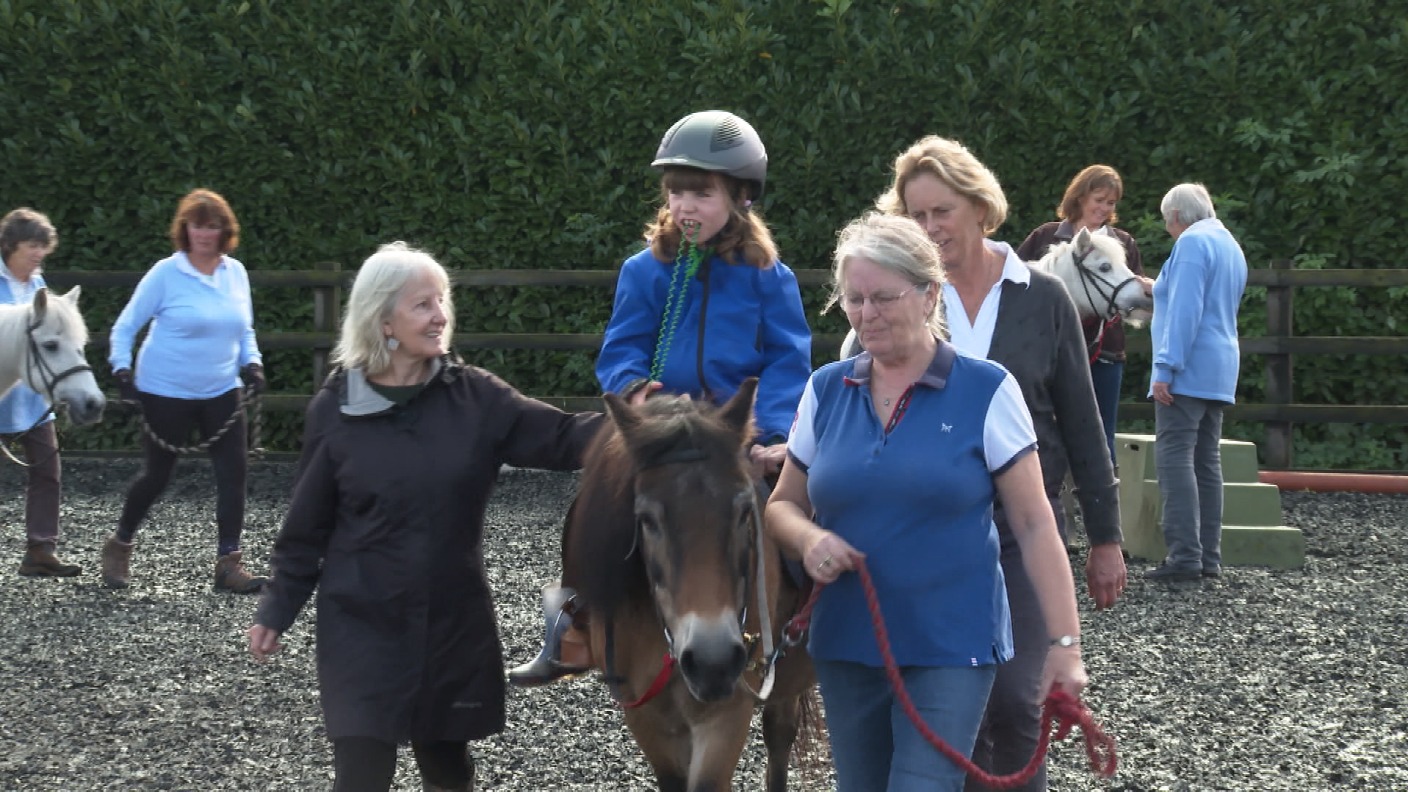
(72, 296)
(41, 305)
(1082, 241)
(622, 414)
(738, 412)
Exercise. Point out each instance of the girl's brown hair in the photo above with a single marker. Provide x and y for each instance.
(745, 238)
(205, 207)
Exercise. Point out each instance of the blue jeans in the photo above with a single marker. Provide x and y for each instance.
(873, 743)
(1106, 375)
(1188, 454)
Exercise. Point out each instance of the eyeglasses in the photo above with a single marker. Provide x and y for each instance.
(882, 301)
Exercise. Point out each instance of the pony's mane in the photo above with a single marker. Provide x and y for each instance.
(678, 429)
(60, 313)
(1106, 246)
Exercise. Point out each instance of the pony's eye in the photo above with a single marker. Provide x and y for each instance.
(648, 523)
(50, 346)
(1105, 267)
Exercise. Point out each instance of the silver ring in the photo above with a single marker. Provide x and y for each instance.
(825, 562)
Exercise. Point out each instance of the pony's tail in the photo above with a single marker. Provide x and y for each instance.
(811, 751)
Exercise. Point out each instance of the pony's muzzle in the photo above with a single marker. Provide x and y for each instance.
(86, 408)
(711, 656)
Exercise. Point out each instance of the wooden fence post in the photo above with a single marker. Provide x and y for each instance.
(327, 308)
(1280, 323)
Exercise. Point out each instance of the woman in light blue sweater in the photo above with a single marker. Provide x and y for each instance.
(188, 377)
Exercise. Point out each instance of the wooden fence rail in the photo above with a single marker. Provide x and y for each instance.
(327, 282)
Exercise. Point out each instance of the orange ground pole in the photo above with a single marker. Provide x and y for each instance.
(1312, 481)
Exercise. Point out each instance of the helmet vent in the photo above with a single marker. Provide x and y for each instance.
(727, 135)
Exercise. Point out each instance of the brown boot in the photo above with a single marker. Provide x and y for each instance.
(40, 560)
(230, 575)
(117, 562)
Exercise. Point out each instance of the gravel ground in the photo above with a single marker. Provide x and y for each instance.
(1260, 681)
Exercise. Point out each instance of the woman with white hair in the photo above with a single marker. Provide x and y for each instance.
(1196, 360)
(401, 448)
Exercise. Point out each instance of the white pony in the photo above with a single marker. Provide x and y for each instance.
(1100, 282)
(41, 344)
(1093, 268)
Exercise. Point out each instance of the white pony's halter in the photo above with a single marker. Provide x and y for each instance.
(47, 376)
(1089, 280)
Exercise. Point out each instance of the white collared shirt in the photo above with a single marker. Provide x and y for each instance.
(975, 338)
(21, 292)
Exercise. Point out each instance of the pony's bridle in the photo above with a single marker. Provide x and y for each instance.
(47, 375)
(50, 381)
(1090, 281)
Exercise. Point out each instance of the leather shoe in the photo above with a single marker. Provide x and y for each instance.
(40, 560)
(1169, 574)
(1212, 572)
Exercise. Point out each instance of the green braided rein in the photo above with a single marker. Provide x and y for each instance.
(687, 263)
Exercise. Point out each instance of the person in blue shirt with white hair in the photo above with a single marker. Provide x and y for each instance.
(1196, 361)
(198, 350)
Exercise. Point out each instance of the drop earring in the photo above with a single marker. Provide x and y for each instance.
(392, 344)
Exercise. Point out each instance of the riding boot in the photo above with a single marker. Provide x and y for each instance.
(548, 666)
(117, 562)
(41, 560)
(230, 575)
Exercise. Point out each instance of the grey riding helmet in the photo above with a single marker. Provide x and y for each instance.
(715, 140)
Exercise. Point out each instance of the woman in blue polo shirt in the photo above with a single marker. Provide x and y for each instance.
(189, 371)
(895, 458)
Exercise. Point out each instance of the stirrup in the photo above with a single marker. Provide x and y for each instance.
(548, 667)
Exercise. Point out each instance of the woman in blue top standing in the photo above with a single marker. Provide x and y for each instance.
(705, 306)
(896, 458)
(26, 237)
(188, 377)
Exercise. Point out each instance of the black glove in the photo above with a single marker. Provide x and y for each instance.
(126, 388)
(253, 376)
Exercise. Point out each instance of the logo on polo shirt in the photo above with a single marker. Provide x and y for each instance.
(943, 427)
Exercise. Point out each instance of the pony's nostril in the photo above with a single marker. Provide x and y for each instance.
(689, 663)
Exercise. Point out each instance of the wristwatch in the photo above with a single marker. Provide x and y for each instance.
(1066, 641)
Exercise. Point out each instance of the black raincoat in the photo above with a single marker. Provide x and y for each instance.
(386, 522)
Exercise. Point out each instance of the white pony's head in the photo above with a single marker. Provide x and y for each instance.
(1095, 273)
(51, 355)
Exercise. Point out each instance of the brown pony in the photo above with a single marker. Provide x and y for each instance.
(664, 544)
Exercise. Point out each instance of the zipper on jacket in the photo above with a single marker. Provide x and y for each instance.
(703, 322)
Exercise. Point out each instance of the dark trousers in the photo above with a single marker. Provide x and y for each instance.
(43, 487)
(1012, 724)
(363, 764)
(183, 422)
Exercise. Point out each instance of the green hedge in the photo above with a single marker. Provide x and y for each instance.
(518, 134)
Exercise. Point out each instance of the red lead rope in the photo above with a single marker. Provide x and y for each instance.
(1060, 709)
(1098, 345)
